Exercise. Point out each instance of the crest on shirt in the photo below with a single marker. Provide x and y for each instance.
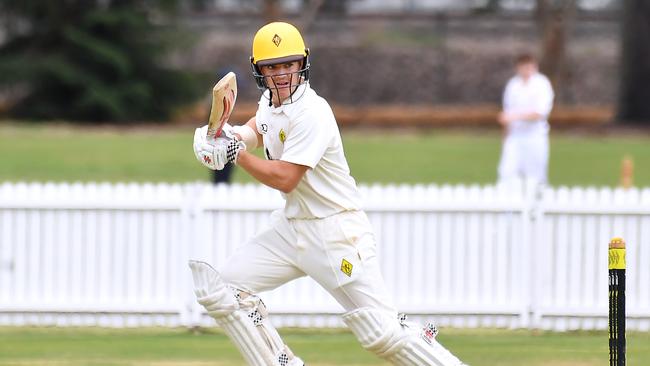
(282, 135)
(346, 267)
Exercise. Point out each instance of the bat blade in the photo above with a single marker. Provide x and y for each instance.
(224, 96)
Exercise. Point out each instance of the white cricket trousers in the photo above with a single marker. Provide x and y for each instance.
(524, 156)
(338, 252)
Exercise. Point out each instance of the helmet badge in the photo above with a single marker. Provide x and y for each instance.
(276, 40)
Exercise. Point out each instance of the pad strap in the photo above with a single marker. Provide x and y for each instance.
(258, 314)
(247, 339)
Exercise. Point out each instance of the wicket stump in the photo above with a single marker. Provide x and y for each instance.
(616, 302)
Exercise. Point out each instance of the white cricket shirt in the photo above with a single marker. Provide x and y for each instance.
(533, 95)
(305, 132)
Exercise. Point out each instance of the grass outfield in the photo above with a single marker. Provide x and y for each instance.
(166, 347)
(50, 152)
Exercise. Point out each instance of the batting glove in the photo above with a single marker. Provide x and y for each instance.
(215, 154)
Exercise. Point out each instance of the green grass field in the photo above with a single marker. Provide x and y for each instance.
(166, 347)
(50, 152)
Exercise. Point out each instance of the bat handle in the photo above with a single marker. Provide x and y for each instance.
(212, 136)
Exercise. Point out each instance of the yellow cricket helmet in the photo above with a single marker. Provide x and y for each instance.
(278, 42)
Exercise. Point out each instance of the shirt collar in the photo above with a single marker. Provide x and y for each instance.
(299, 93)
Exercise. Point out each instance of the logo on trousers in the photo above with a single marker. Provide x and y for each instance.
(346, 267)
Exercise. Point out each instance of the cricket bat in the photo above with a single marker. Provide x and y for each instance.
(224, 95)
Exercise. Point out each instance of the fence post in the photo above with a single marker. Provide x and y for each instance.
(529, 264)
(191, 217)
(535, 240)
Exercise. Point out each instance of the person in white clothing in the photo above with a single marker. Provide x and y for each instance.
(321, 232)
(527, 102)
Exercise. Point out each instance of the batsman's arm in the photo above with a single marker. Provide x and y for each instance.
(505, 118)
(248, 134)
(278, 174)
(528, 116)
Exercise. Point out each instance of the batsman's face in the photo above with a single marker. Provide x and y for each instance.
(282, 78)
(526, 69)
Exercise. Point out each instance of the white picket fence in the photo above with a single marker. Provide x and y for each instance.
(464, 256)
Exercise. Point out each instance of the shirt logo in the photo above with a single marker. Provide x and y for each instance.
(282, 135)
(264, 127)
(346, 267)
(276, 40)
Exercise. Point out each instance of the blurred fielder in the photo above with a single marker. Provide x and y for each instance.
(527, 102)
(321, 232)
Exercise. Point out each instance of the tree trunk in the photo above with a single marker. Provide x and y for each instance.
(634, 97)
(555, 19)
(310, 9)
(272, 11)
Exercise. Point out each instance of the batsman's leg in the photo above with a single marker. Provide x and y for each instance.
(510, 162)
(243, 317)
(535, 164)
(360, 289)
(397, 341)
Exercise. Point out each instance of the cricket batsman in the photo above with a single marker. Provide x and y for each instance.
(322, 232)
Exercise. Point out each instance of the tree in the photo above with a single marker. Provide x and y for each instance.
(271, 10)
(90, 60)
(555, 18)
(634, 96)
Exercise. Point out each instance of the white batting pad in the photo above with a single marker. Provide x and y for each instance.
(382, 333)
(243, 318)
(259, 315)
(221, 304)
(248, 340)
(211, 291)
